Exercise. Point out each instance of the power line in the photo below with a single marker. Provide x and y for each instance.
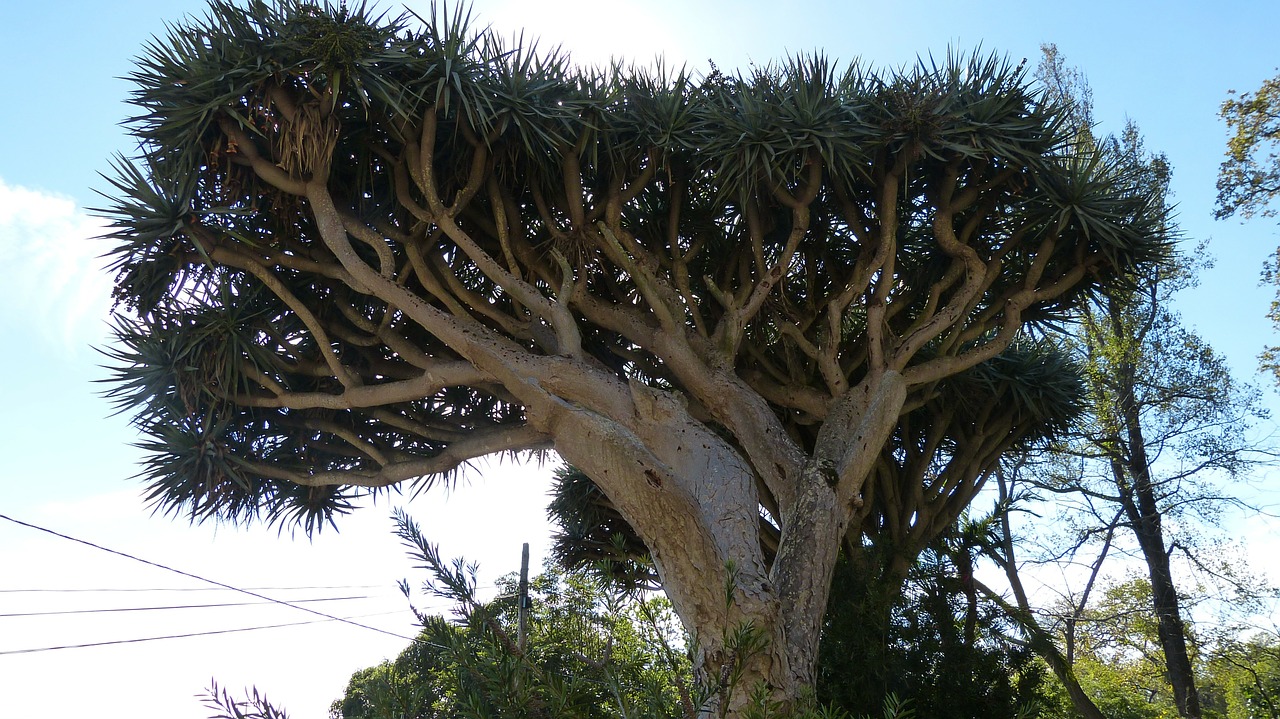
(191, 634)
(178, 606)
(186, 589)
(189, 575)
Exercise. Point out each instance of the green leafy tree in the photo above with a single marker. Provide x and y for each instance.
(943, 648)
(1244, 673)
(360, 250)
(1249, 179)
(1120, 653)
(1163, 417)
(591, 652)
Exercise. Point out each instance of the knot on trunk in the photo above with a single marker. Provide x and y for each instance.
(655, 405)
(826, 469)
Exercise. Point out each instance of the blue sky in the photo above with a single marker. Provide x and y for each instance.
(67, 464)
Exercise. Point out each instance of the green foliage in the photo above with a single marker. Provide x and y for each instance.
(1118, 649)
(917, 643)
(1118, 657)
(254, 706)
(1118, 661)
(411, 686)
(595, 652)
(591, 652)
(1112, 691)
(1244, 677)
(1249, 178)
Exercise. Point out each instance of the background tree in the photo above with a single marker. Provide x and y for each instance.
(1249, 179)
(360, 250)
(1245, 674)
(592, 652)
(1118, 654)
(1002, 549)
(1164, 416)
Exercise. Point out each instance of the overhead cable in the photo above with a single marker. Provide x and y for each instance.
(189, 575)
(190, 634)
(177, 606)
(182, 589)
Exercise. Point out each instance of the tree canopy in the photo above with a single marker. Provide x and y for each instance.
(359, 250)
(1249, 178)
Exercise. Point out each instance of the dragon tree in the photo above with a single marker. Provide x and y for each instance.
(355, 250)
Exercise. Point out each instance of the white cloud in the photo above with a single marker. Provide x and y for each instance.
(54, 283)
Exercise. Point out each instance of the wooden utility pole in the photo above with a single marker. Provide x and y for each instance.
(523, 606)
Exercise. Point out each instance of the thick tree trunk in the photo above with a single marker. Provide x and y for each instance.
(1143, 513)
(691, 496)
(830, 487)
(1173, 638)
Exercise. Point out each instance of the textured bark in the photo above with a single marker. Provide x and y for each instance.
(829, 492)
(1143, 513)
(1137, 493)
(678, 480)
